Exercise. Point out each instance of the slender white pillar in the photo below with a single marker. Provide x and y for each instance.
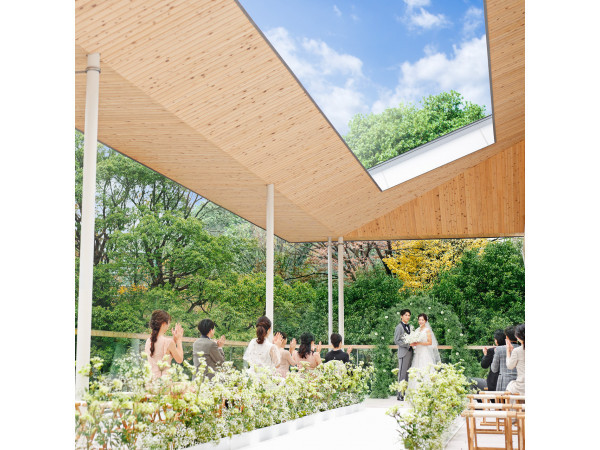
(329, 291)
(270, 250)
(88, 201)
(341, 287)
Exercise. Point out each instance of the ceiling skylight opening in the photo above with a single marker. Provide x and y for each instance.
(392, 78)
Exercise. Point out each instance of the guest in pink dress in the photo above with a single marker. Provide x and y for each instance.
(158, 345)
(286, 359)
(306, 356)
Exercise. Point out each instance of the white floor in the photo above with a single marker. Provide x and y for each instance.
(368, 429)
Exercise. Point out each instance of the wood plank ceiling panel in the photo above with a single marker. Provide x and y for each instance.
(161, 141)
(211, 81)
(474, 197)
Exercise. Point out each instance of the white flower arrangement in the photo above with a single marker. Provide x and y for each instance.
(414, 336)
(135, 411)
(434, 405)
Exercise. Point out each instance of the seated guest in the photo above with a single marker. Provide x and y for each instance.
(515, 358)
(158, 345)
(337, 354)
(260, 352)
(505, 375)
(488, 357)
(285, 355)
(306, 356)
(213, 350)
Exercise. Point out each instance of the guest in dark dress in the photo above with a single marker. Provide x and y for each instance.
(488, 357)
(337, 354)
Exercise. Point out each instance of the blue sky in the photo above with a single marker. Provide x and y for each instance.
(365, 56)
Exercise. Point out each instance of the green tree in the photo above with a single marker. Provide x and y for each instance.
(375, 138)
(486, 289)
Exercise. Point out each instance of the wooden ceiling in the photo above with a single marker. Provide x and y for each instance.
(193, 90)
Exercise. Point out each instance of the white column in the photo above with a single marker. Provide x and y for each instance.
(329, 291)
(341, 287)
(88, 202)
(270, 250)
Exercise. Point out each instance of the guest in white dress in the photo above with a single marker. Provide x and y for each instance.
(515, 357)
(261, 352)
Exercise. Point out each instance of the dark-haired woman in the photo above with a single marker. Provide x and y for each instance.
(515, 357)
(286, 356)
(158, 345)
(261, 352)
(306, 356)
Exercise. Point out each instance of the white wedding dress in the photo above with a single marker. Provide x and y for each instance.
(424, 356)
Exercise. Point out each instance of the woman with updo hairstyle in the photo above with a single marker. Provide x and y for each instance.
(158, 345)
(306, 356)
(515, 357)
(261, 352)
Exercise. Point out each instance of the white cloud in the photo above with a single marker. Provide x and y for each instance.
(426, 20)
(332, 61)
(472, 20)
(465, 71)
(414, 3)
(337, 11)
(333, 79)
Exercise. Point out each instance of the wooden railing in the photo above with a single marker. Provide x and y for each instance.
(144, 336)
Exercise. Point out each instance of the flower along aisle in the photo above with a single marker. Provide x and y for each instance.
(129, 411)
(439, 398)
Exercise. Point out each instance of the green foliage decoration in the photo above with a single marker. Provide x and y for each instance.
(130, 410)
(446, 325)
(440, 396)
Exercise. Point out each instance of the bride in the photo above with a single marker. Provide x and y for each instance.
(425, 350)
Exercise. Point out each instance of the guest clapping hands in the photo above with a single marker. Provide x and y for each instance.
(307, 355)
(212, 350)
(158, 345)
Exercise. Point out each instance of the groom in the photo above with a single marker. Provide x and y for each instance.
(405, 351)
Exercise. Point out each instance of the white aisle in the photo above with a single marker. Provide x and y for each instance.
(369, 428)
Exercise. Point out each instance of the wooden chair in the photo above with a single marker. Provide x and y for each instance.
(485, 421)
(471, 416)
(499, 397)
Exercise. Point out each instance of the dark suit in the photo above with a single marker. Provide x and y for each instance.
(213, 355)
(492, 377)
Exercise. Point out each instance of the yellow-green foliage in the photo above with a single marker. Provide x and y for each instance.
(418, 263)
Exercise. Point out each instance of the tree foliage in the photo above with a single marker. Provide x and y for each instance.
(375, 138)
(486, 289)
(419, 263)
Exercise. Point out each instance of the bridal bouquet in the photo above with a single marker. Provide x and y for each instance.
(414, 336)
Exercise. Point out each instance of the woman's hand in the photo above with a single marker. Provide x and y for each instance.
(509, 347)
(277, 339)
(292, 345)
(485, 351)
(177, 332)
